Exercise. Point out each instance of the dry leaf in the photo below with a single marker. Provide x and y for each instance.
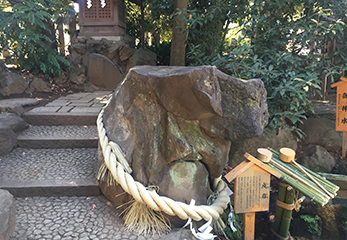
(94, 206)
(90, 213)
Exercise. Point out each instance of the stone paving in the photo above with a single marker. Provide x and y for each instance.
(47, 164)
(74, 109)
(75, 218)
(61, 132)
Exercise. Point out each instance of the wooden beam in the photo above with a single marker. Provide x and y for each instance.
(262, 165)
(238, 170)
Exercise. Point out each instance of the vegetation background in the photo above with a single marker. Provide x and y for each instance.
(295, 46)
(292, 45)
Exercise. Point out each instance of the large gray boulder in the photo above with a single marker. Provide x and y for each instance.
(7, 215)
(174, 125)
(321, 131)
(141, 57)
(102, 72)
(8, 139)
(317, 159)
(13, 121)
(12, 83)
(38, 85)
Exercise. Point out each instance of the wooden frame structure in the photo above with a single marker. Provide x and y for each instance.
(102, 19)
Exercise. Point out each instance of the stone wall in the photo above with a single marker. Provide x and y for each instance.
(103, 63)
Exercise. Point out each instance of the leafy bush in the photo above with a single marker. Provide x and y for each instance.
(307, 224)
(284, 43)
(29, 30)
(163, 52)
(342, 218)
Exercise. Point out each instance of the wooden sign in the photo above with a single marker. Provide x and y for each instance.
(341, 110)
(341, 105)
(252, 190)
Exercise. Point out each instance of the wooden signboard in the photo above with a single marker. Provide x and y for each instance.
(341, 110)
(252, 191)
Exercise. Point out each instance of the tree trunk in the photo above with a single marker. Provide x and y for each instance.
(178, 46)
(143, 27)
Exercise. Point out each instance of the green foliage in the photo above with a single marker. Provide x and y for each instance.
(163, 52)
(307, 224)
(237, 220)
(284, 43)
(29, 30)
(157, 21)
(342, 219)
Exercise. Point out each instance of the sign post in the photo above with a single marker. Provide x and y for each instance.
(341, 110)
(251, 193)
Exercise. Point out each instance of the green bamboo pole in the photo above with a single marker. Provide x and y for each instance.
(329, 186)
(300, 177)
(279, 211)
(310, 193)
(326, 183)
(287, 214)
(332, 188)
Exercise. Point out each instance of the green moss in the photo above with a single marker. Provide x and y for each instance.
(183, 176)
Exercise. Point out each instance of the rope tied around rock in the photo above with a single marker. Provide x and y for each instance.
(120, 170)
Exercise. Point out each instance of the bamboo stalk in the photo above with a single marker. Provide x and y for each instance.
(316, 182)
(292, 168)
(331, 187)
(302, 188)
(279, 211)
(297, 177)
(287, 214)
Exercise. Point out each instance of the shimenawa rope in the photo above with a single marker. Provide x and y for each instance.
(114, 160)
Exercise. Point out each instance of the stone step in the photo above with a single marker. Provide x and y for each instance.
(48, 116)
(49, 172)
(75, 109)
(59, 137)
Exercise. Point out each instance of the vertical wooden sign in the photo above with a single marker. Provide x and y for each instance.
(341, 110)
(251, 194)
(252, 191)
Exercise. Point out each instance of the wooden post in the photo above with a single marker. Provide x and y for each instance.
(61, 40)
(249, 221)
(343, 144)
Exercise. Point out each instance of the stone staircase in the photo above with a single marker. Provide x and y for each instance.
(52, 176)
(57, 155)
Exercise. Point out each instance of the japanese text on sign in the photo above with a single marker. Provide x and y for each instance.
(252, 191)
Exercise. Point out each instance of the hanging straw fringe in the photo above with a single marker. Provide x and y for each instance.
(139, 218)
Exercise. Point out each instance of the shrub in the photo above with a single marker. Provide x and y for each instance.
(29, 30)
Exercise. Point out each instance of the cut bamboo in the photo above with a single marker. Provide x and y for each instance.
(297, 177)
(264, 155)
(331, 187)
(287, 155)
(279, 211)
(316, 182)
(287, 214)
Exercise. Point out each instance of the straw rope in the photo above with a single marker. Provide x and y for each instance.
(113, 160)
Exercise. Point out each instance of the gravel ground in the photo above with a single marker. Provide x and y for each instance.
(42, 164)
(43, 218)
